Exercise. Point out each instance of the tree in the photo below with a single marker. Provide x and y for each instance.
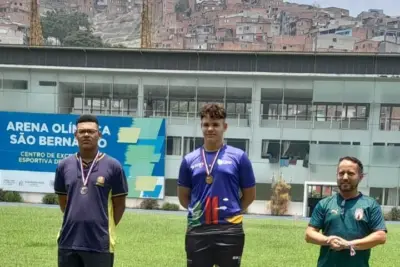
(60, 23)
(106, 45)
(316, 5)
(280, 197)
(181, 6)
(82, 39)
(70, 28)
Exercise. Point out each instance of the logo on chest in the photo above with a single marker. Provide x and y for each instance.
(224, 162)
(359, 214)
(197, 165)
(100, 181)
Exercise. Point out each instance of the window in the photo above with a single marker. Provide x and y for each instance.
(173, 145)
(14, 84)
(191, 143)
(289, 111)
(182, 108)
(47, 83)
(242, 144)
(159, 107)
(270, 149)
(337, 111)
(289, 149)
(390, 118)
(379, 194)
(104, 105)
(235, 109)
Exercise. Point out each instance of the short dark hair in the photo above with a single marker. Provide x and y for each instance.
(354, 160)
(87, 118)
(214, 111)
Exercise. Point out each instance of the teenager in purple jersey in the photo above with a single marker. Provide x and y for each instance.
(209, 185)
(92, 189)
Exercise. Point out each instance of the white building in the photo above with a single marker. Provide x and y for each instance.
(292, 125)
(10, 34)
(334, 43)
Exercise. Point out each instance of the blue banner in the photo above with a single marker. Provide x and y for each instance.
(37, 142)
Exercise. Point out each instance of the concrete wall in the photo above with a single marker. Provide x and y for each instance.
(38, 96)
(258, 207)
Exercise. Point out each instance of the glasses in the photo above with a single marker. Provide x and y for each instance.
(88, 131)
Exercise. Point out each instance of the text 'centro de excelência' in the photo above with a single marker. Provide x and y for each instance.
(57, 128)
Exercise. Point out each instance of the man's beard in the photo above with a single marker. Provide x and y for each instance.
(347, 187)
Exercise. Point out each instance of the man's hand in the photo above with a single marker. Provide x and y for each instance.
(337, 243)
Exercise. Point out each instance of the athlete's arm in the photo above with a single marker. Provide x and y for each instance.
(118, 203)
(313, 234)
(247, 182)
(377, 225)
(368, 242)
(184, 184)
(60, 188)
(119, 191)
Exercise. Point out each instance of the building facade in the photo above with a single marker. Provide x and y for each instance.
(292, 125)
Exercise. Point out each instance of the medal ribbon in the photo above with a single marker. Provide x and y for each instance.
(205, 161)
(85, 179)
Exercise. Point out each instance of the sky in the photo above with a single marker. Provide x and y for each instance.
(390, 7)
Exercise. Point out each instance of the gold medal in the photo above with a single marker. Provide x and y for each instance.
(209, 178)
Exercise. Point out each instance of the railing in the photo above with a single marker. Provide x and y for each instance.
(376, 156)
(314, 122)
(173, 117)
(98, 111)
(244, 120)
(186, 118)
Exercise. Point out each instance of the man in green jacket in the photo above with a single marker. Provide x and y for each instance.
(351, 223)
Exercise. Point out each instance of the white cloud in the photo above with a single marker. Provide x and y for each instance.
(390, 7)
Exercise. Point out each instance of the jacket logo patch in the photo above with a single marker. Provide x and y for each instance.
(359, 214)
(100, 181)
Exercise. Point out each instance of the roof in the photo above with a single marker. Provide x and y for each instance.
(233, 61)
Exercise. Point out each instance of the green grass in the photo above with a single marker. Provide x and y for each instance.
(28, 239)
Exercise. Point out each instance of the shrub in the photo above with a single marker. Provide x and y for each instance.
(149, 204)
(11, 196)
(170, 206)
(280, 197)
(393, 215)
(50, 199)
(2, 195)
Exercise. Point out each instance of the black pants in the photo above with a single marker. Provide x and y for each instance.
(76, 258)
(218, 249)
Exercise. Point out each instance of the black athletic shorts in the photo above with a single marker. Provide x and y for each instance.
(223, 250)
(76, 258)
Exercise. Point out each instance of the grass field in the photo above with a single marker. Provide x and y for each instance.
(28, 237)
